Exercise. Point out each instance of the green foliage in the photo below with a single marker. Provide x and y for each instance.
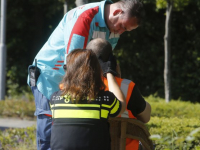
(139, 52)
(18, 139)
(177, 108)
(17, 108)
(175, 133)
(174, 125)
(29, 23)
(185, 81)
(161, 4)
(177, 4)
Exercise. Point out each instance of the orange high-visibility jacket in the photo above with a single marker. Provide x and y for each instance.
(127, 87)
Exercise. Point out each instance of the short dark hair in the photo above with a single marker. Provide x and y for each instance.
(101, 48)
(133, 8)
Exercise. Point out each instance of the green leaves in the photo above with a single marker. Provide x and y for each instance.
(18, 139)
(161, 4)
(174, 125)
(178, 5)
(139, 52)
(174, 133)
(19, 108)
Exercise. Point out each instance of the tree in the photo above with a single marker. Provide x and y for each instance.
(167, 49)
(169, 4)
(26, 36)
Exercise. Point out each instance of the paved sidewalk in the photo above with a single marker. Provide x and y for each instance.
(15, 123)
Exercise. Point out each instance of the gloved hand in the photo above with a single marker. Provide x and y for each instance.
(109, 66)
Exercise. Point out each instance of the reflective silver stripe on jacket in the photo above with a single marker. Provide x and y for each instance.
(124, 87)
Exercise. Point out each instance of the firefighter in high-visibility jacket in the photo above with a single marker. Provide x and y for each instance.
(137, 107)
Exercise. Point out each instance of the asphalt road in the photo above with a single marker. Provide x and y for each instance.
(15, 123)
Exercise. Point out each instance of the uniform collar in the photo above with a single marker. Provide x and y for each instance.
(102, 22)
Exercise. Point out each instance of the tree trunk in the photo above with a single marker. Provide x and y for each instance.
(81, 2)
(65, 7)
(167, 42)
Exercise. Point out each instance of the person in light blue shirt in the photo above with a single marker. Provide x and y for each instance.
(78, 27)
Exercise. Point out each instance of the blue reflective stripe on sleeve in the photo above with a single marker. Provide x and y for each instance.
(76, 42)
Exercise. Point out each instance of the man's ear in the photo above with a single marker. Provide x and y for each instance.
(117, 11)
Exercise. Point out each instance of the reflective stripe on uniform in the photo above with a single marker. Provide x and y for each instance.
(124, 87)
(91, 111)
(104, 113)
(114, 110)
(109, 106)
(75, 105)
(127, 87)
(76, 113)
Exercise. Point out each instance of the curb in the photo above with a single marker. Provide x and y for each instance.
(15, 123)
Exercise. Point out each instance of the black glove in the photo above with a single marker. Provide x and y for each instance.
(109, 66)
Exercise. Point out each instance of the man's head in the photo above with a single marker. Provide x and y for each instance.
(101, 48)
(103, 51)
(124, 15)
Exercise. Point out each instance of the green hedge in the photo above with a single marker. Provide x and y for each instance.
(175, 133)
(174, 108)
(173, 125)
(17, 108)
(18, 139)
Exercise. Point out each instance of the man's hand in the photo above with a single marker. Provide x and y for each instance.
(109, 66)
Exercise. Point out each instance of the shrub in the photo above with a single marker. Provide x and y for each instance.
(17, 108)
(18, 139)
(174, 108)
(174, 125)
